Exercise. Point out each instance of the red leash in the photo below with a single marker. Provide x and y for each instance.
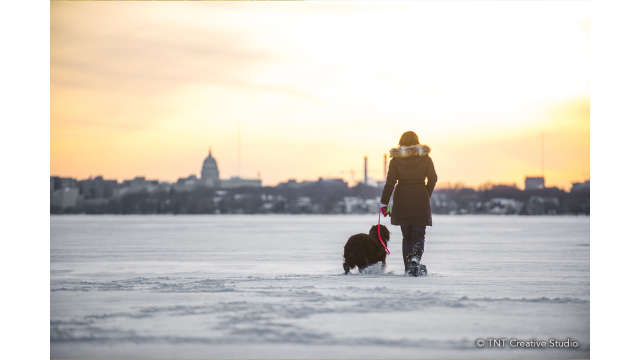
(380, 237)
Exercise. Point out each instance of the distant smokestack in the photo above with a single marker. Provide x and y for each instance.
(366, 177)
(384, 168)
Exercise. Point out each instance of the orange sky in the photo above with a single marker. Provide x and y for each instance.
(145, 88)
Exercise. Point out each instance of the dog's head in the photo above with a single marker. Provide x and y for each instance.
(384, 234)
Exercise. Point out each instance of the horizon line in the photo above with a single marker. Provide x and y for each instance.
(439, 184)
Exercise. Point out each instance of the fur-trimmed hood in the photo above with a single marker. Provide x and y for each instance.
(413, 150)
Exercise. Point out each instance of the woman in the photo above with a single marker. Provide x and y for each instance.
(409, 166)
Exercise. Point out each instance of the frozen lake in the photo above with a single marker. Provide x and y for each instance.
(272, 287)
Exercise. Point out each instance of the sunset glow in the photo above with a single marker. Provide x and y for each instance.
(302, 90)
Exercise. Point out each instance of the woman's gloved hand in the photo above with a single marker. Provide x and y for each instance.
(385, 209)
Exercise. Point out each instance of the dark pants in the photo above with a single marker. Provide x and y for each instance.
(412, 241)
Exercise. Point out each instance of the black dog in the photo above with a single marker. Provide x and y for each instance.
(362, 250)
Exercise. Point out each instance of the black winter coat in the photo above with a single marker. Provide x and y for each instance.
(408, 168)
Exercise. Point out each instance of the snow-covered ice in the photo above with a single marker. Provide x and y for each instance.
(272, 287)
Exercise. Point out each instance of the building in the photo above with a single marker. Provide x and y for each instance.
(97, 188)
(539, 205)
(358, 205)
(138, 184)
(352, 204)
(57, 183)
(210, 175)
(186, 184)
(333, 182)
(291, 183)
(502, 206)
(534, 182)
(581, 186)
(65, 198)
(238, 182)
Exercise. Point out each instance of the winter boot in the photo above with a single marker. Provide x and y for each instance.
(422, 270)
(414, 268)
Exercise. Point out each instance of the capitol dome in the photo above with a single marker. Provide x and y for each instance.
(210, 176)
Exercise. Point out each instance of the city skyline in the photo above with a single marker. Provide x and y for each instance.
(149, 87)
(209, 176)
